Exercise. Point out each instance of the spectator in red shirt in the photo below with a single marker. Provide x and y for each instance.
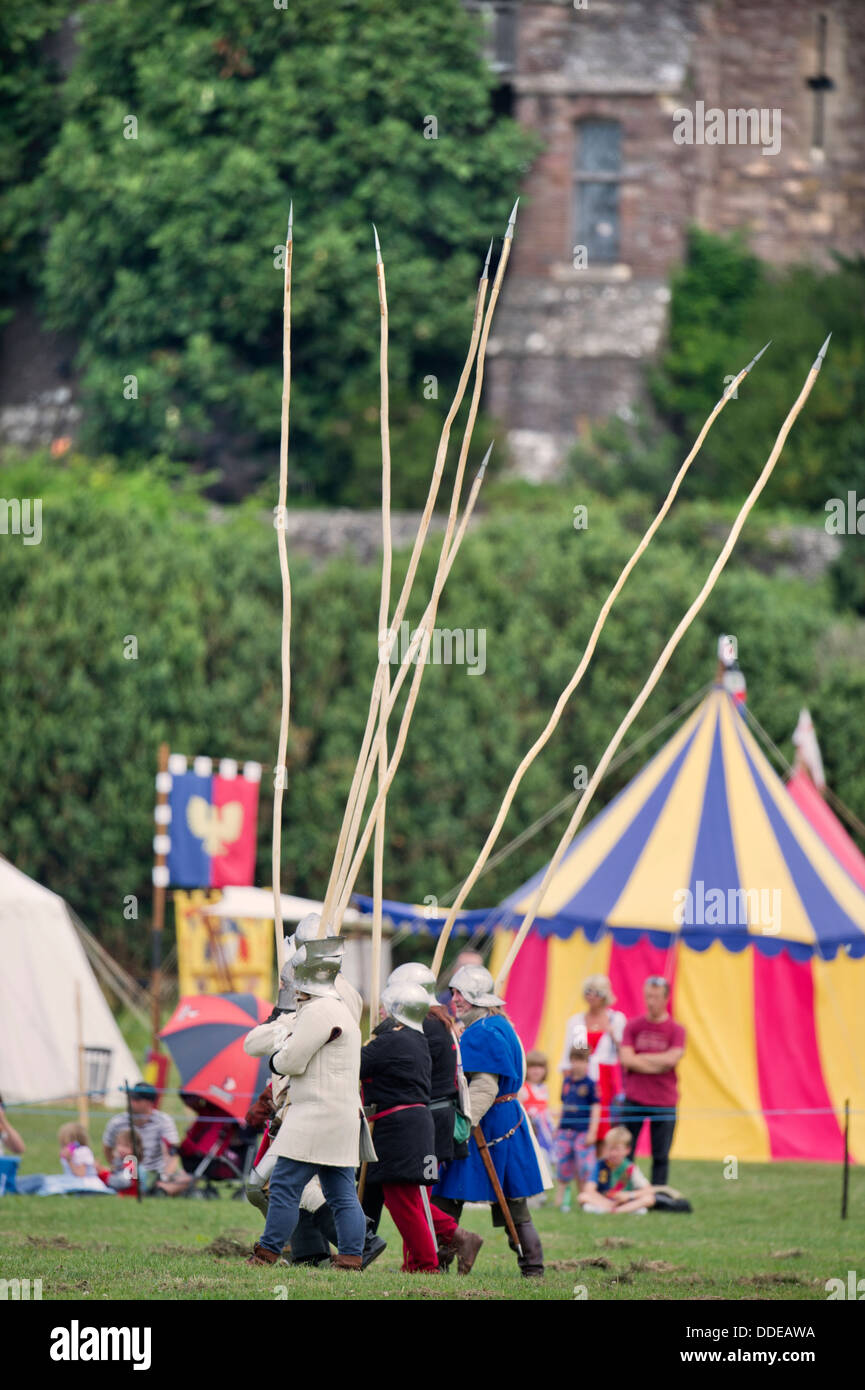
(652, 1047)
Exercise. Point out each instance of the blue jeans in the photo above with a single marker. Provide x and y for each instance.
(287, 1182)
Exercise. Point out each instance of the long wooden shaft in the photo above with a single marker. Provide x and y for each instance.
(402, 733)
(383, 612)
(279, 771)
(658, 669)
(545, 735)
(487, 1160)
(158, 923)
(351, 815)
(445, 556)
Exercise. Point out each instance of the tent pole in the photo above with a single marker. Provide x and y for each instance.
(158, 911)
(845, 1188)
(79, 1048)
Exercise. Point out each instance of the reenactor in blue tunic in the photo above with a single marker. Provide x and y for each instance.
(494, 1062)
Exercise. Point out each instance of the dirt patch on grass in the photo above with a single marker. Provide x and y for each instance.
(592, 1262)
(80, 1287)
(614, 1243)
(227, 1248)
(652, 1267)
(170, 1284)
(787, 1254)
(776, 1277)
(53, 1243)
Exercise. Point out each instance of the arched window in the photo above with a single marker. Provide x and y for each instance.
(597, 175)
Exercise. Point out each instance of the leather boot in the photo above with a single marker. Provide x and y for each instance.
(261, 1256)
(531, 1262)
(465, 1245)
(347, 1262)
(373, 1245)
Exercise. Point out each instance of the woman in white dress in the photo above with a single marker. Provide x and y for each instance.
(600, 1028)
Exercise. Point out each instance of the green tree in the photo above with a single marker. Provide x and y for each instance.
(725, 305)
(29, 82)
(187, 129)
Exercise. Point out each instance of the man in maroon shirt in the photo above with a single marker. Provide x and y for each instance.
(652, 1047)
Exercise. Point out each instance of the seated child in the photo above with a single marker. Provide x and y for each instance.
(578, 1128)
(123, 1176)
(617, 1184)
(77, 1162)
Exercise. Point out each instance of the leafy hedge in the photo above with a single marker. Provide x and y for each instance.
(137, 554)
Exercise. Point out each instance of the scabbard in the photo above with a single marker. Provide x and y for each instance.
(493, 1176)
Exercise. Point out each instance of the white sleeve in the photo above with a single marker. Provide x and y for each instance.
(564, 1064)
(311, 1031)
(267, 1038)
(638, 1179)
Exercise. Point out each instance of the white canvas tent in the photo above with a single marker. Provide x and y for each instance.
(41, 961)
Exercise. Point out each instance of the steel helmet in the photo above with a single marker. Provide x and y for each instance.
(476, 984)
(316, 966)
(407, 1002)
(413, 973)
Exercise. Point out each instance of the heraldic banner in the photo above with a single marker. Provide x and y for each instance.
(218, 955)
(210, 831)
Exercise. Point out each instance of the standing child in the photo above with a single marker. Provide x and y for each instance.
(578, 1128)
(535, 1098)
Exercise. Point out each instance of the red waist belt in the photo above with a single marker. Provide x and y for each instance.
(380, 1114)
(499, 1100)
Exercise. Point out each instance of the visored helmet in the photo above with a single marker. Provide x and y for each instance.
(413, 973)
(476, 984)
(316, 966)
(407, 1002)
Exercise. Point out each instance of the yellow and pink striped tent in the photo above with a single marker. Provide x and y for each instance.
(705, 870)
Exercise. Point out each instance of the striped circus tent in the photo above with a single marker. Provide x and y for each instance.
(826, 823)
(704, 869)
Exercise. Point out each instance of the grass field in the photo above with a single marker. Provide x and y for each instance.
(772, 1233)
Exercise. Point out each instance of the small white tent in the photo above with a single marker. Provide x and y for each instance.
(41, 961)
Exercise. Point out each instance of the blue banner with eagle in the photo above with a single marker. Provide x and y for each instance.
(212, 823)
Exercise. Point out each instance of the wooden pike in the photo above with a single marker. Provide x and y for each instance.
(351, 815)
(445, 560)
(280, 770)
(384, 610)
(660, 665)
(545, 735)
(426, 627)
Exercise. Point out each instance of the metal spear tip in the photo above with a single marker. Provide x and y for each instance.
(757, 357)
(378, 259)
(484, 461)
(290, 218)
(818, 360)
(511, 220)
(486, 269)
